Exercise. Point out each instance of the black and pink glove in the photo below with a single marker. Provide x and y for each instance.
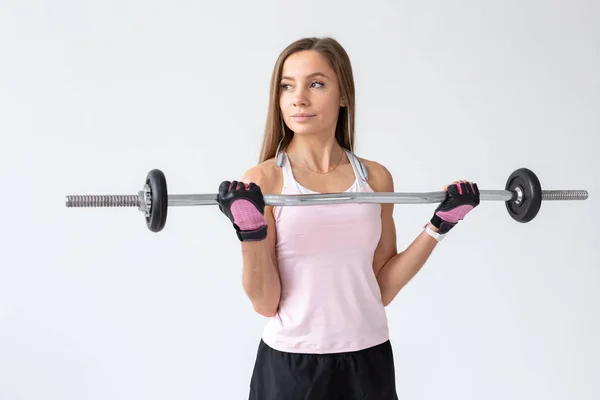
(244, 205)
(461, 198)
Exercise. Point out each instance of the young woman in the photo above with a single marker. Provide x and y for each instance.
(323, 274)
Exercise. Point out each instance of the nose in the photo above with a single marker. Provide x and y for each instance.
(300, 98)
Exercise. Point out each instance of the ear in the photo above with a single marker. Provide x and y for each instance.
(343, 102)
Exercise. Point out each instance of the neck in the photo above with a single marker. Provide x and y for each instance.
(316, 152)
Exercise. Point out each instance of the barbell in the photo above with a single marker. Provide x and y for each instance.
(523, 196)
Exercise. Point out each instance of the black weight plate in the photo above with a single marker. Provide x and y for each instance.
(160, 199)
(532, 195)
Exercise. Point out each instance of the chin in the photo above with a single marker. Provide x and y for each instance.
(304, 129)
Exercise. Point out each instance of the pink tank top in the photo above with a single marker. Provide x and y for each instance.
(330, 299)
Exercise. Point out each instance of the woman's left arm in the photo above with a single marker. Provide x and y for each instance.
(395, 272)
(395, 269)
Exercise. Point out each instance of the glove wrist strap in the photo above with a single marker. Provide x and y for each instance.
(443, 226)
(251, 236)
(436, 235)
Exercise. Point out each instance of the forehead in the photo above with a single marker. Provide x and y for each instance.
(304, 63)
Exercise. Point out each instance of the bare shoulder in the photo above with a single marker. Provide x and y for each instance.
(266, 175)
(380, 177)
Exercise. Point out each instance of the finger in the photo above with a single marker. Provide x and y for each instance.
(454, 189)
(253, 187)
(466, 187)
(475, 189)
(459, 187)
(241, 186)
(224, 187)
(447, 187)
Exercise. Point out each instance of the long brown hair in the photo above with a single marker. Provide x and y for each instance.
(340, 62)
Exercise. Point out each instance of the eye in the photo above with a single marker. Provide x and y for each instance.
(284, 86)
(321, 84)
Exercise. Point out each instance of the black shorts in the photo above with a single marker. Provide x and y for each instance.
(364, 374)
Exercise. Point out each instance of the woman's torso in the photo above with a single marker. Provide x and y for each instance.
(330, 299)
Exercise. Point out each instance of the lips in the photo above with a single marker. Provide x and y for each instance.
(302, 115)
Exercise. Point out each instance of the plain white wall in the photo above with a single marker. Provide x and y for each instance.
(95, 94)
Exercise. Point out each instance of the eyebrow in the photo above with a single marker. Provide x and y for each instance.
(308, 76)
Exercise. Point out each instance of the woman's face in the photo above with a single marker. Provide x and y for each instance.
(309, 94)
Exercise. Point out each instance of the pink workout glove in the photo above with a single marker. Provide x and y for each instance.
(244, 205)
(461, 198)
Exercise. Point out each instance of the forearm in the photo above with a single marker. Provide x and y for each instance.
(402, 267)
(260, 278)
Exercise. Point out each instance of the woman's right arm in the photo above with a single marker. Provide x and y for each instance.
(260, 274)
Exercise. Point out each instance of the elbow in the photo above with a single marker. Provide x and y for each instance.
(266, 306)
(265, 310)
(386, 302)
(388, 295)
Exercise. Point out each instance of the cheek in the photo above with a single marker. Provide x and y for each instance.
(330, 107)
(282, 102)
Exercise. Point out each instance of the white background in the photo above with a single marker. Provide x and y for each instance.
(94, 94)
